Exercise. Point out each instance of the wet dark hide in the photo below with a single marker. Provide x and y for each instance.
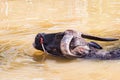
(71, 44)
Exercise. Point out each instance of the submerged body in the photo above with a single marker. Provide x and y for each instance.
(71, 44)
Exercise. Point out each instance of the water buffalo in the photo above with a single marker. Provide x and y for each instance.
(72, 44)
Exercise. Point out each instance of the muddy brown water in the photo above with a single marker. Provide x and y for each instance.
(21, 20)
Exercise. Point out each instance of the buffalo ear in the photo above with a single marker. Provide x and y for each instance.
(95, 45)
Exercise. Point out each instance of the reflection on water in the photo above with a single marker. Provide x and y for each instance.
(21, 20)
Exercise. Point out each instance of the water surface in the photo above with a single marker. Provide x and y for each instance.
(21, 20)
